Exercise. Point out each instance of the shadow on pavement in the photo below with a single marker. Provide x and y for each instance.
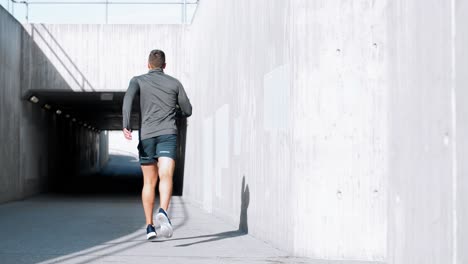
(57, 229)
(241, 231)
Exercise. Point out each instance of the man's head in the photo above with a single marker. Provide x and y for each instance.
(157, 59)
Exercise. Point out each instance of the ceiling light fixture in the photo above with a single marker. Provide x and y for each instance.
(34, 99)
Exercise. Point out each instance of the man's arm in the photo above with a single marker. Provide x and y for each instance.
(133, 89)
(184, 102)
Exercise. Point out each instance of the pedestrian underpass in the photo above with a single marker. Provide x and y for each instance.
(350, 116)
(97, 114)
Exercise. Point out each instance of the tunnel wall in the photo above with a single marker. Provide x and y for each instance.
(460, 191)
(297, 105)
(423, 96)
(10, 77)
(362, 155)
(103, 148)
(89, 58)
(40, 150)
(25, 126)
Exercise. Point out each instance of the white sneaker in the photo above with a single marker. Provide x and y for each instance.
(166, 227)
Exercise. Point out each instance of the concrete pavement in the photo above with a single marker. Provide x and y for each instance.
(109, 229)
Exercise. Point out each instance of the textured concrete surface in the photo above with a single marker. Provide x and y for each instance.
(298, 106)
(370, 154)
(460, 191)
(422, 144)
(98, 57)
(40, 150)
(10, 76)
(102, 229)
(24, 128)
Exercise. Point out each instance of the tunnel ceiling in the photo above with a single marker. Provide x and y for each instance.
(102, 110)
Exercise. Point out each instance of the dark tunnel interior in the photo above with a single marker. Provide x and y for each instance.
(73, 165)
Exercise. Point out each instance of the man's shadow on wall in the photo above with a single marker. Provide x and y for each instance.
(243, 222)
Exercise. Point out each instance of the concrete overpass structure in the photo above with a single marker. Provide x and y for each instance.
(345, 119)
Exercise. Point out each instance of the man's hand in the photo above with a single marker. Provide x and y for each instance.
(127, 134)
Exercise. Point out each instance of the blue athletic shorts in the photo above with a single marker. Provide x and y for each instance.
(151, 149)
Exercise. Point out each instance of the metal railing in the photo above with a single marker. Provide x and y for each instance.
(183, 3)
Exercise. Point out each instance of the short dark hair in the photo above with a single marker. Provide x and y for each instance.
(157, 58)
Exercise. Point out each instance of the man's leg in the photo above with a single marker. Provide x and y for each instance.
(150, 178)
(166, 168)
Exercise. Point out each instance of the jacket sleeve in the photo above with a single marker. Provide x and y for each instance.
(184, 102)
(133, 89)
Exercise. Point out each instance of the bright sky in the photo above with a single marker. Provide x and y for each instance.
(136, 13)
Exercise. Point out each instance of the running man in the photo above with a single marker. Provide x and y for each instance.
(161, 97)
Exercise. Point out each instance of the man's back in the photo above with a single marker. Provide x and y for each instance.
(159, 96)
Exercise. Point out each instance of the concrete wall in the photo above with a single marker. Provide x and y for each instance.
(103, 148)
(297, 105)
(25, 126)
(347, 120)
(98, 57)
(10, 76)
(460, 191)
(40, 150)
(422, 178)
(75, 152)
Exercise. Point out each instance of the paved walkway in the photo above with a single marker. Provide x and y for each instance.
(109, 229)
